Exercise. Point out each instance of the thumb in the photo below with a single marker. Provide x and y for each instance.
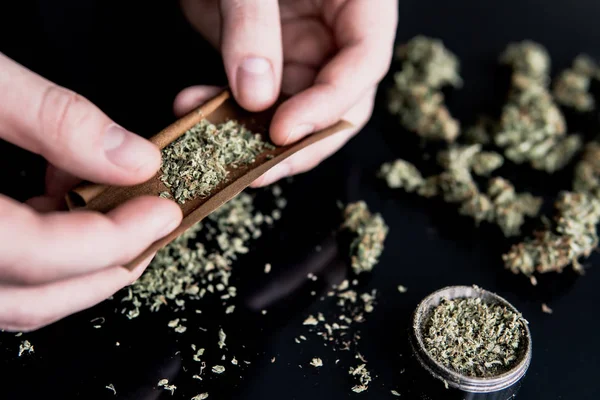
(252, 51)
(69, 131)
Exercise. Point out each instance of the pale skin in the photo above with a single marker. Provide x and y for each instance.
(329, 55)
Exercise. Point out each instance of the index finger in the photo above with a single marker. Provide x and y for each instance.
(365, 33)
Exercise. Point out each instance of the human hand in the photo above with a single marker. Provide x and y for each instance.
(52, 263)
(329, 54)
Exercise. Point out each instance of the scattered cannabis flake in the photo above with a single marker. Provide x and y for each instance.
(316, 362)
(98, 322)
(472, 337)
(310, 321)
(370, 232)
(573, 235)
(222, 337)
(416, 97)
(402, 289)
(25, 346)
(201, 396)
(218, 369)
(170, 388)
(395, 393)
(363, 376)
(112, 387)
(197, 162)
(267, 268)
(230, 309)
(163, 382)
(187, 269)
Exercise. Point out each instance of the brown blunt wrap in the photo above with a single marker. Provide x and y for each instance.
(221, 108)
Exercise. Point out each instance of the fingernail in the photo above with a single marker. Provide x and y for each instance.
(298, 133)
(255, 82)
(126, 149)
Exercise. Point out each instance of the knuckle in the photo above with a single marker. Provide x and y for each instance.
(59, 110)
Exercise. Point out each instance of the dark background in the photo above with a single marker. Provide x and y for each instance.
(131, 59)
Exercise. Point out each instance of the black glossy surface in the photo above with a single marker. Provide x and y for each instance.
(115, 60)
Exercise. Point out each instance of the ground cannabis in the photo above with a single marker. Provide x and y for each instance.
(395, 393)
(370, 232)
(222, 337)
(474, 338)
(25, 346)
(111, 387)
(571, 236)
(363, 376)
(532, 127)
(402, 289)
(218, 369)
(198, 161)
(201, 396)
(339, 329)
(316, 362)
(416, 97)
(187, 269)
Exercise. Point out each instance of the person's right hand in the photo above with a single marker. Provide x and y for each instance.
(53, 264)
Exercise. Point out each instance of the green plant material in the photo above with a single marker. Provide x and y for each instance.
(474, 338)
(111, 387)
(222, 337)
(501, 205)
(198, 162)
(363, 375)
(571, 87)
(218, 369)
(401, 174)
(187, 269)
(428, 61)
(370, 232)
(532, 128)
(528, 58)
(572, 236)
(482, 132)
(25, 347)
(316, 362)
(510, 208)
(416, 98)
(587, 171)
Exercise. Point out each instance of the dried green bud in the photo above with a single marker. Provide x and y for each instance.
(434, 65)
(370, 232)
(486, 162)
(571, 89)
(401, 174)
(528, 58)
(573, 236)
(587, 171)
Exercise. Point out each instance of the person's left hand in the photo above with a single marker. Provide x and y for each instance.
(329, 54)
